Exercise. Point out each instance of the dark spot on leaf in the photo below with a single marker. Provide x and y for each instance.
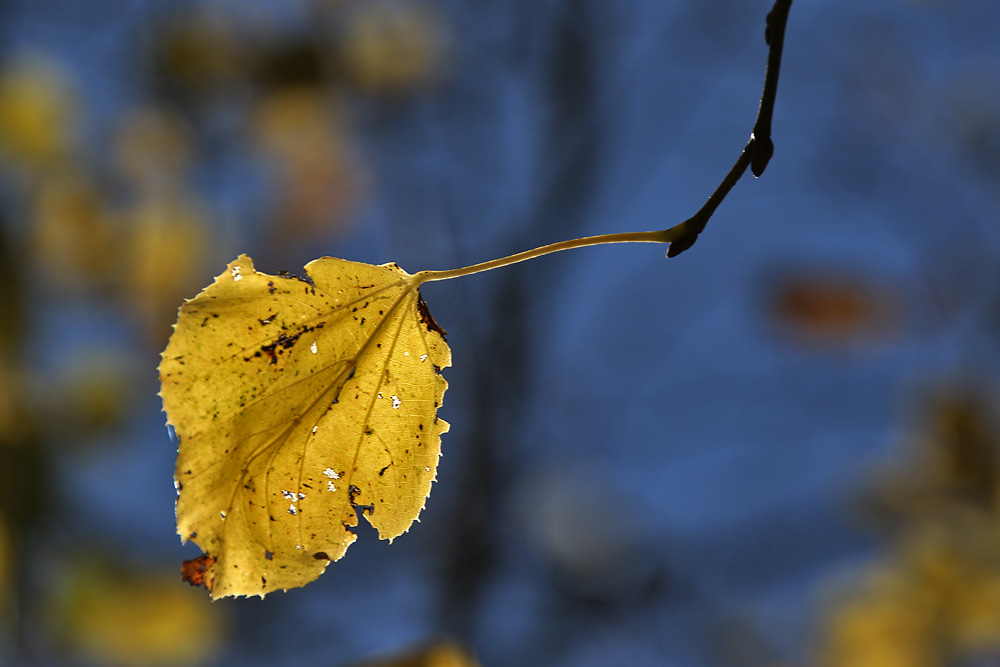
(291, 276)
(263, 581)
(271, 289)
(382, 471)
(321, 555)
(268, 555)
(284, 342)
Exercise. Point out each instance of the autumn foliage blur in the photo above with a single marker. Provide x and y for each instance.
(933, 596)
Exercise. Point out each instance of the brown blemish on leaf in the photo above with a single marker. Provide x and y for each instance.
(427, 319)
(198, 571)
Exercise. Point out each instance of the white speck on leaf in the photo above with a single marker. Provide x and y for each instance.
(292, 510)
(302, 496)
(423, 357)
(313, 348)
(223, 515)
(330, 487)
(236, 273)
(288, 495)
(331, 473)
(315, 428)
(396, 402)
(427, 469)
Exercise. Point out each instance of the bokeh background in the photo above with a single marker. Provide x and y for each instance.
(781, 448)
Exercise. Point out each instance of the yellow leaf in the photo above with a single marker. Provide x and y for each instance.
(442, 653)
(300, 403)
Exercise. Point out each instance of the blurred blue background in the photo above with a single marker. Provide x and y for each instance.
(651, 462)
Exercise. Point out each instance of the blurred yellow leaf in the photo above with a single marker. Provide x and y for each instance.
(955, 563)
(91, 396)
(135, 619)
(37, 107)
(198, 52)
(438, 654)
(300, 403)
(75, 238)
(319, 175)
(888, 624)
(392, 48)
(166, 230)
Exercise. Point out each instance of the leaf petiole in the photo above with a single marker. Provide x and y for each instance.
(661, 236)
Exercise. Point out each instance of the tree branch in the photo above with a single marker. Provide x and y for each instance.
(759, 148)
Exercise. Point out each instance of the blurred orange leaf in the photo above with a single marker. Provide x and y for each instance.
(833, 308)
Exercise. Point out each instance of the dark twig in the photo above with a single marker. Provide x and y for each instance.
(759, 148)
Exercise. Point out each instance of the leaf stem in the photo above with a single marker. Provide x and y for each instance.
(661, 236)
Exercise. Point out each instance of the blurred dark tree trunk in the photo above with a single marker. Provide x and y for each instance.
(570, 154)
